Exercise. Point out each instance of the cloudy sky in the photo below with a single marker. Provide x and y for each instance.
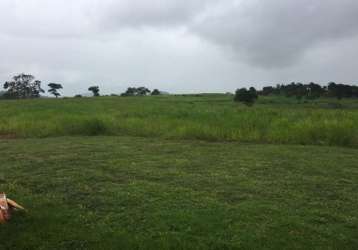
(179, 46)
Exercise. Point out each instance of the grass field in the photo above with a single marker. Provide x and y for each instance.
(207, 117)
(180, 172)
(148, 193)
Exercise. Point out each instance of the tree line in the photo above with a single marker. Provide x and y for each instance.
(141, 91)
(24, 86)
(299, 91)
(312, 90)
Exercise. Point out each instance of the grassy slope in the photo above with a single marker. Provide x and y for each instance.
(92, 192)
(211, 118)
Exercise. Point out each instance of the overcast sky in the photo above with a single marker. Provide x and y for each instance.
(179, 45)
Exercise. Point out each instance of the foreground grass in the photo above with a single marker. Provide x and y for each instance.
(137, 193)
(210, 118)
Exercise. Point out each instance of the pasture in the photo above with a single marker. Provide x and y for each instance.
(273, 120)
(180, 172)
(147, 193)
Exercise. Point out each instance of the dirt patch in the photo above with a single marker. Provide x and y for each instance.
(8, 136)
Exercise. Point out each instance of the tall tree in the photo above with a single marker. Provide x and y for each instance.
(94, 90)
(23, 86)
(54, 87)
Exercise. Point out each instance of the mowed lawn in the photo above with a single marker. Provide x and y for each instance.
(150, 193)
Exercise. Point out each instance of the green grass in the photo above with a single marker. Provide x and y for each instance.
(206, 117)
(148, 193)
(180, 172)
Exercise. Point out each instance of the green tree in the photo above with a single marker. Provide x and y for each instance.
(245, 96)
(94, 90)
(155, 92)
(314, 91)
(54, 87)
(23, 86)
(141, 91)
(131, 91)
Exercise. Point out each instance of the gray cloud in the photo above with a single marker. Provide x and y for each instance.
(154, 13)
(178, 46)
(56, 18)
(277, 33)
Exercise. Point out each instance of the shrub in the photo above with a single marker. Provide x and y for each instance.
(245, 96)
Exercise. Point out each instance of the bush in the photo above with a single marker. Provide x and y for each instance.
(245, 96)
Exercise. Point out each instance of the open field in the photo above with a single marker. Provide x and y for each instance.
(149, 193)
(211, 118)
(180, 172)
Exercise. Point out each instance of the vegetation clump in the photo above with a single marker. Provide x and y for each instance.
(245, 96)
(311, 90)
(133, 91)
(155, 92)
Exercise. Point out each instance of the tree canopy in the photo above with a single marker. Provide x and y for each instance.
(245, 96)
(23, 86)
(155, 92)
(54, 87)
(311, 90)
(133, 91)
(94, 90)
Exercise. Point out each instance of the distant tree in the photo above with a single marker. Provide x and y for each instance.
(355, 91)
(300, 91)
(141, 91)
(253, 92)
(267, 90)
(245, 96)
(23, 86)
(132, 91)
(155, 92)
(94, 90)
(314, 91)
(54, 87)
(340, 90)
(78, 96)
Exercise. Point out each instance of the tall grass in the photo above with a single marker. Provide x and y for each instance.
(213, 118)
